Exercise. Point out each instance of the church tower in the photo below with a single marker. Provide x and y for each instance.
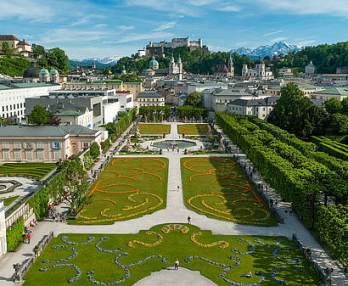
(245, 71)
(230, 66)
(172, 66)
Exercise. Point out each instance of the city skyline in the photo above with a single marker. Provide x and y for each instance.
(87, 28)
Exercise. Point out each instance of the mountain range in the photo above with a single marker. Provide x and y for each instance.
(99, 62)
(278, 48)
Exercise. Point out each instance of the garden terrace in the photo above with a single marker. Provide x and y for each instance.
(217, 187)
(31, 170)
(152, 129)
(332, 147)
(124, 259)
(127, 188)
(194, 129)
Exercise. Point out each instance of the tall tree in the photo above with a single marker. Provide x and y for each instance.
(39, 115)
(6, 49)
(57, 58)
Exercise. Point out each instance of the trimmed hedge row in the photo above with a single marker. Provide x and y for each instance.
(299, 178)
(115, 129)
(14, 234)
(331, 147)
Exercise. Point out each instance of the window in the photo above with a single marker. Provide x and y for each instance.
(5, 155)
(17, 145)
(39, 145)
(40, 155)
(29, 155)
(55, 145)
(56, 155)
(17, 155)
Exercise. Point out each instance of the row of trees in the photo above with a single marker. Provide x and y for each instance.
(307, 178)
(116, 128)
(297, 114)
(154, 113)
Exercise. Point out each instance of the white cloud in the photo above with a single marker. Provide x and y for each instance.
(144, 36)
(87, 19)
(273, 33)
(279, 39)
(229, 8)
(64, 35)
(125, 28)
(165, 26)
(332, 7)
(37, 11)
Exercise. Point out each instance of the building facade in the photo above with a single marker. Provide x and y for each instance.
(150, 98)
(20, 47)
(44, 143)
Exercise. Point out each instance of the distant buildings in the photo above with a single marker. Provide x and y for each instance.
(338, 93)
(12, 103)
(158, 49)
(20, 47)
(44, 143)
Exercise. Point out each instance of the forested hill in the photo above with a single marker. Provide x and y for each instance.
(326, 57)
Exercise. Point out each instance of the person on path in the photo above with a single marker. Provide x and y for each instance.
(176, 264)
(178, 188)
(189, 220)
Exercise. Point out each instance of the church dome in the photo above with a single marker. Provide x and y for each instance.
(44, 72)
(32, 72)
(54, 72)
(154, 64)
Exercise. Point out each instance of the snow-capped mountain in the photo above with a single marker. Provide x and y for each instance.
(99, 62)
(278, 48)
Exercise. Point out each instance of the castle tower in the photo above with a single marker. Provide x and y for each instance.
(180, 66)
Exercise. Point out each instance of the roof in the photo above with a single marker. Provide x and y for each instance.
(334, 91)
(268, 101)
(149, 93)
(231, 92)
(44, 131)
(2, 86)
(8, 38)
(31, 84)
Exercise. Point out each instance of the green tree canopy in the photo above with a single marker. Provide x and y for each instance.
(39, 115)
(94, 150)
(344, 104)
(333, 105)
(296, 113)
(194, 99)
(6, 49)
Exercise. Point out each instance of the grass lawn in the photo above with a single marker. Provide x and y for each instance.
(148, 129)
(9, 200)
(218, 188)
(32, 170)
(194, 129)
(127, 188)
(123, 259)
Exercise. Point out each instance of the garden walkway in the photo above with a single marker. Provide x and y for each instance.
(176, 212)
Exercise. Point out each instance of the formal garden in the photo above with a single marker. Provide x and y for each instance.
(127, 188)
(194, 129)
(218, 188)
(100, 259)
(152, 129)
(32, 170)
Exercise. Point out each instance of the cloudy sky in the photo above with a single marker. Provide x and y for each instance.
(99, 28)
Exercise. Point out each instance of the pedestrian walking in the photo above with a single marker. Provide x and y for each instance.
(189, 220)
(178, 188)
(176, 264)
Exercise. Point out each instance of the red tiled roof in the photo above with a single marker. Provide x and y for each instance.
(8, 38)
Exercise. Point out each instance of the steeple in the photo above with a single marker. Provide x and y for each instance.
(230, 66)
(179, 59)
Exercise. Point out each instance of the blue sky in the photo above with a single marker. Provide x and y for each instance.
(98, 28)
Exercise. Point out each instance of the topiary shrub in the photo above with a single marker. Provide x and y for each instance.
(14, 234)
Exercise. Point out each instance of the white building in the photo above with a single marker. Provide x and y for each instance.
(12, 103)
(126, 100)
(176, 69)
(260, 107)
(259, 72)
(150, 98)
(310, 69)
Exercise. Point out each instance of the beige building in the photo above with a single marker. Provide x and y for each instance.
(19, 46)
(45, 143)
(338, 93)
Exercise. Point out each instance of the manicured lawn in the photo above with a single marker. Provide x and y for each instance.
(194, 129)
(32, 170)
(9, 200)
(148, 129)
(127, 188)
(217, 187)
(127, 258)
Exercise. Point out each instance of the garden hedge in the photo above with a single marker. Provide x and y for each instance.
(14, 234)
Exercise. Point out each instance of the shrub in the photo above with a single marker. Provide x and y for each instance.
(14, 234)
